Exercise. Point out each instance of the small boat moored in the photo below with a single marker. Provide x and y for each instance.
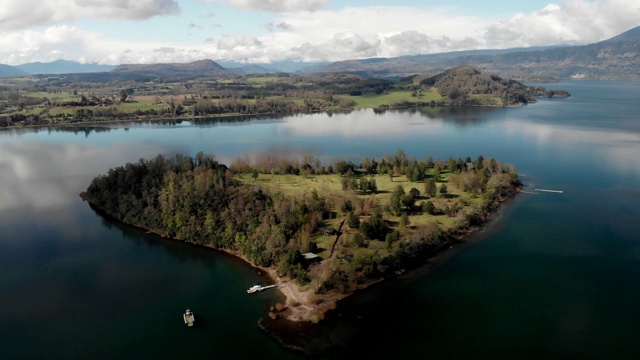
(188, 317)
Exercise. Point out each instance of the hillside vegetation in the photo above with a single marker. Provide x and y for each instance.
(465, 85)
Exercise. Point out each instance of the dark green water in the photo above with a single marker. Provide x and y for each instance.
(556, 275)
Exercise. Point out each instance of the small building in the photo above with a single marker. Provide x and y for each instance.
(311, 258)
(327, 231)
(361, 171)
(470, 166)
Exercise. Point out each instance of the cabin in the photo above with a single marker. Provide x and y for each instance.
(327, 231)
(470, 166)
(361, 171)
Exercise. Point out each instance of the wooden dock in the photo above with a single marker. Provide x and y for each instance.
(257, 288)
(550, 191)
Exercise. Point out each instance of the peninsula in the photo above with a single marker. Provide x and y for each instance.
(203, 89)
(322, 231)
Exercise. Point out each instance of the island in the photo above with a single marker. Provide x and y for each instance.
(320, 231)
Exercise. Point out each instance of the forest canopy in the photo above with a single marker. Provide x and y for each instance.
(199, 200)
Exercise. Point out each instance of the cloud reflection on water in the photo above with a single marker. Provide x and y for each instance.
(360, 123)
(39, 175)
(617, 149)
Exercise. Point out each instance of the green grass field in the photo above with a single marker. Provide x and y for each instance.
(63, 96)
(142, 105)
(330, 187)
(393, 97)
(262, 79)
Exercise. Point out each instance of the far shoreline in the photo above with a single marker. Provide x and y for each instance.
(412, 105)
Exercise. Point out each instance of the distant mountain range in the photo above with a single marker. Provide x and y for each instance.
(275, 67)
(62, 67)
(7, 70)
(409, 64)
(193, 69)
(615, 59)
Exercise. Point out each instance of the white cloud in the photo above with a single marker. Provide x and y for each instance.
(73, 43)
(412, 43)
(375, 31)
(327, 35)
(277, 6)
(237, 40)
(567, 22)
(22, 14)
(279, 26)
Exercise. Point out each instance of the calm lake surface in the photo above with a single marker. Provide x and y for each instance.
(555, 275)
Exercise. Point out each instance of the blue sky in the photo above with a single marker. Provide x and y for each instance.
(263, 31)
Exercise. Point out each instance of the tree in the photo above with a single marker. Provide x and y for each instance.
(409, 199)
(353, 220)
(396, 201)
(347, 206)
(443, 189)
(254, 174)
(400, 158)
(451, 164)
(376, 227)
(428, 207)
(430, 187)
(436, 174)
(404, 220)
(313, 247)
(358, 240)
(391, 238)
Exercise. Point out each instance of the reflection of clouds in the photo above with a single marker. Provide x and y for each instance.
(40, 175)
(615, 148)
(359, 123)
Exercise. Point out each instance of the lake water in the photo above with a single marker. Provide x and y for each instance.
(555, 275)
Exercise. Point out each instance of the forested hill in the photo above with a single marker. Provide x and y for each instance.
(466, 85)
(201, 68)
(617, 58)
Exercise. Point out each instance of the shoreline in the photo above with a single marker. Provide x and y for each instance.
(229, 115)
(335, 332)
(298, 322)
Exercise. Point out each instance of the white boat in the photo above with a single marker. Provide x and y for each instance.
(254, 288)
(188, 317)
